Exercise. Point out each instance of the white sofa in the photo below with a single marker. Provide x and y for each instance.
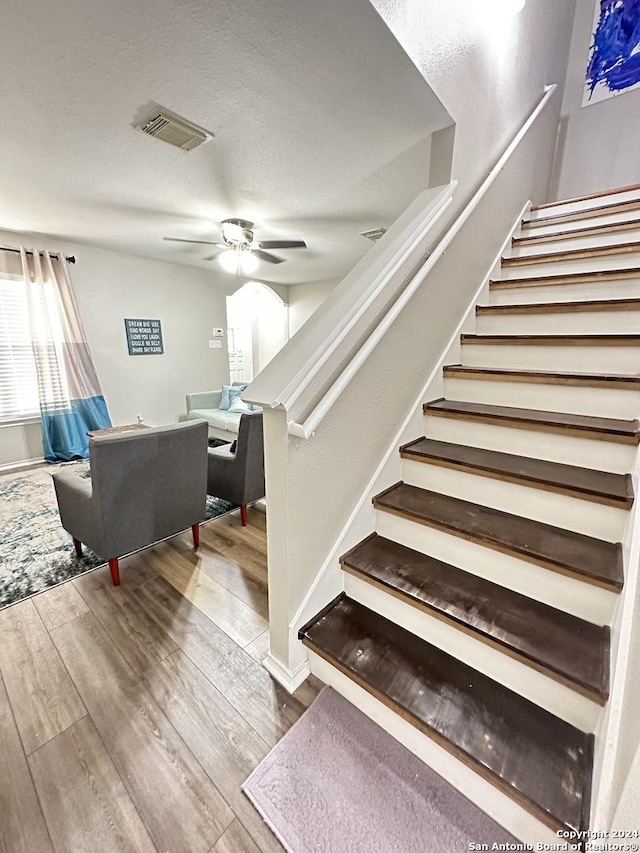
(204, 405)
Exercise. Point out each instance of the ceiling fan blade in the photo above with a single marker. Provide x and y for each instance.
(181, 240)
(282, 244)
(211, 257)
(267, 256)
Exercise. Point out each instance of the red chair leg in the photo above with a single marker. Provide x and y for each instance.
(115, 572)
(243, 514)
(195, 529)
(78, 546)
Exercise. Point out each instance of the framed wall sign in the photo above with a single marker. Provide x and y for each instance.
(144, 337)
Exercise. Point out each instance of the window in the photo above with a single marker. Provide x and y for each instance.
(18, 380)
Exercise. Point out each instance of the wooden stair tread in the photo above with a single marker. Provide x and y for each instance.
(627, 431)
(560, 307)
(539, 760)
(602, 194)
(583, 557)
(554, 340)
(572, 254)
(566, 278)
(590, 231)
(585, 213)
(601, 486)
(572, 649)
(545, 377)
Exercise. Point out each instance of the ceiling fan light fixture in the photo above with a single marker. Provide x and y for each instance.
(238, 262)
(232, 233)
(230, 261)
(248, 263)
(237, 232)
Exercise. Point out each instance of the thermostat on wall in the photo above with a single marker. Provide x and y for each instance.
(218, 333)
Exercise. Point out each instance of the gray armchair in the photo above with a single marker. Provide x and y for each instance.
(145, 486)
(238, 476)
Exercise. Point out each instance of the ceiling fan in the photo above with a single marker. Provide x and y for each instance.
(241, 252)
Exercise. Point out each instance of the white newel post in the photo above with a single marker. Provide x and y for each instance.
(287, 660)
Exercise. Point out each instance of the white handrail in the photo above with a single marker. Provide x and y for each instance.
(427, 220)
(306, 429)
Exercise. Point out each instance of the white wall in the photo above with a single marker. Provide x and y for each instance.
(110, 286)
(304, 299)
(598, 144)
(488, 72)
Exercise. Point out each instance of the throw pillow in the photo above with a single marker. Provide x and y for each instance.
(225, 395)
(239, 407)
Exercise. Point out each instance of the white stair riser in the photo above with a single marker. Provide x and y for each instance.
(568, 267)
(486, 796)
(618, 289)
(568, 358)
(591, 519)
(572, 399)
(538, 226)
(566, 244)
(566, 207)
(560, 591)
(566, 449)
(513, 674)
(567, 323)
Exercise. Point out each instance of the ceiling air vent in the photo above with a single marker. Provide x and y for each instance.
(374, 235)
(171, 128)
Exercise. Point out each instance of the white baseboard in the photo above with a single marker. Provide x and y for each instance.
(290, 680)
(23, 463)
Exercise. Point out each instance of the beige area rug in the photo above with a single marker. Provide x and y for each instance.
(337, 782)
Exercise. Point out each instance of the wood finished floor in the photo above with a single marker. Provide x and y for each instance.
(130, 716)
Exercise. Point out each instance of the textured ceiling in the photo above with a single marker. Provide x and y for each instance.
(321, 125)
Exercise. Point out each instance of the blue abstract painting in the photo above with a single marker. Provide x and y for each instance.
(614, 61)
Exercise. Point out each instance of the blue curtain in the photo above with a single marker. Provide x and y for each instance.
(71, 401)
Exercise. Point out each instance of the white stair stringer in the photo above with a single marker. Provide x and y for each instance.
(570, 594)
(559, 510)
(554, 447)
(502, 808)
(557, 698)
(576, 399)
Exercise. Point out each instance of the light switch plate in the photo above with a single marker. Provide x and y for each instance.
(215, 344)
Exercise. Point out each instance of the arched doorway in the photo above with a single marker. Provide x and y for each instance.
(258, 327)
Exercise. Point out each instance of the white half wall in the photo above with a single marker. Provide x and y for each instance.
(110, 286)
(597, 144)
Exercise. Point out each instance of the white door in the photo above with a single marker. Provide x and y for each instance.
(240, 366)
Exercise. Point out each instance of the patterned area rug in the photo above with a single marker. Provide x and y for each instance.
(35, 551)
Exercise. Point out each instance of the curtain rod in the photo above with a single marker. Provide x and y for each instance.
(70, 259)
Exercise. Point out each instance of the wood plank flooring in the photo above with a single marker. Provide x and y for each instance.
(130, 716)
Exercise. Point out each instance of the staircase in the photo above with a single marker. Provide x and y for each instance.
(477, 615)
